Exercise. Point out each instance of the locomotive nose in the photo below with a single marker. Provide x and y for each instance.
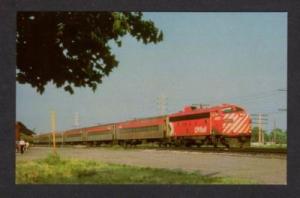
(236, 123)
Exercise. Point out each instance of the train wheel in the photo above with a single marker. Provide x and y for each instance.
(201, 143)
(213, 140)
(241, 144)
(242, 141)
(215, 145)
(187, 144)
(224, 142)
(124, 144)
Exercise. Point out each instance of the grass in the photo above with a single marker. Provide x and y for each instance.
(54, 170)
(279, 146)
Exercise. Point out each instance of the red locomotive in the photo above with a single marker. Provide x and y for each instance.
(225, 124)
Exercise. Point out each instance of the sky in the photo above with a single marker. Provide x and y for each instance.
(207, 58)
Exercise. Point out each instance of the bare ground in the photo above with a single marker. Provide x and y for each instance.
(263, 170)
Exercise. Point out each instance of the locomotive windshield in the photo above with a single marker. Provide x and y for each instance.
(227, 110)
(230, 109)
(238, 109)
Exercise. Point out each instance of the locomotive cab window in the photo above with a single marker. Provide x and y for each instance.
(237, 109)
(227, 110)
(230, 109)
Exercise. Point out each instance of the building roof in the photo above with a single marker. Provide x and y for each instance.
(24, 129)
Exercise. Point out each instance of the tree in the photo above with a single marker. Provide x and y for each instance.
(254, 135)
(278, 136)
(72, 49)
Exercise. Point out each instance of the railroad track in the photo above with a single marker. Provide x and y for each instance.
(250, 150)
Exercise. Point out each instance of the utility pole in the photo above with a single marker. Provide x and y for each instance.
(76, 120)
(274, 131)
(282, 109)
(259, 128)
(260, 119)
(162, 104)
(53, 129)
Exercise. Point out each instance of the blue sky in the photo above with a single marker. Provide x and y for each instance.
(209, 58)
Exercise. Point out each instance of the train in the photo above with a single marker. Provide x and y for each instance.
(224, 125)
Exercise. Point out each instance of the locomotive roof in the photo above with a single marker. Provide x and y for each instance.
(195, 110)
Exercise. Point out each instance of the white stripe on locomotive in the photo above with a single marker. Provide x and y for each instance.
(237, 128)
(236, 122)
(230, 124)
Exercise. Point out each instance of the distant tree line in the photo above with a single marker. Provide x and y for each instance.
(277, 136)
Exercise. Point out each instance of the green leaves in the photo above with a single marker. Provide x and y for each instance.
(69, 89)
(71, 48)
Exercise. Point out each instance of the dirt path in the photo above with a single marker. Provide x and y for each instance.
(259, 169)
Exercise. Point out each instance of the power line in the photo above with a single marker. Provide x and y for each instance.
(260, 119)
(282, 109)
(281, 89)
(258, 98)
(250, 98)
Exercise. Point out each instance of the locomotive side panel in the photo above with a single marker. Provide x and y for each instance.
(190, 125)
